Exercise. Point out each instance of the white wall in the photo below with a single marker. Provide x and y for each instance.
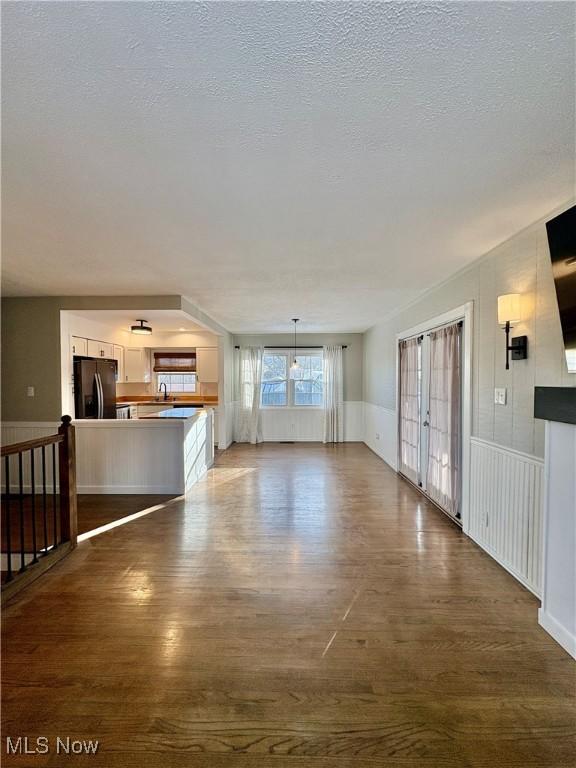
(558, 612)
(520, 265)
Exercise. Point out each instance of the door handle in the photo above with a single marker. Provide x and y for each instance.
(100, 393)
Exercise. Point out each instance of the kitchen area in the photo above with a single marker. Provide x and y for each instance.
(143, 393)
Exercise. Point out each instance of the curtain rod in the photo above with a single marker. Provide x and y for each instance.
(291, 346)
(459, 323)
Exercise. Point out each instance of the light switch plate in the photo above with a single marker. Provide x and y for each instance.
(500, 395)
(30, 392)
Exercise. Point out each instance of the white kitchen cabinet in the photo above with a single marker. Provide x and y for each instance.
(93, 348)
(100, 349)
(119, 357)
(136, 364)
(207, 364)
(79, 346)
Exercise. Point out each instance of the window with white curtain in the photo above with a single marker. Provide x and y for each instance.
(280, 391)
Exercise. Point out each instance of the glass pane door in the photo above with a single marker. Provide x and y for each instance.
(430, 406)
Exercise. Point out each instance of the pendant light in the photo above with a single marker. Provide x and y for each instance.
(142, 329)
(295, 367)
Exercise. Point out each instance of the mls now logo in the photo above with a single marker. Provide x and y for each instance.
(23, 745)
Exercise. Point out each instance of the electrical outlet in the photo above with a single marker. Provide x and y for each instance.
(30, 392)
(500, 395)
(377, 435)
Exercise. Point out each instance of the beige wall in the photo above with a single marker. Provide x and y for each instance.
(520, 265)
(30, 357)
(352, 355)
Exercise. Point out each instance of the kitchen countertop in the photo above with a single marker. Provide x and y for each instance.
(170, 403)
(173, 413)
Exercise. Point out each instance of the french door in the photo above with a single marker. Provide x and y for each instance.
(430, 414)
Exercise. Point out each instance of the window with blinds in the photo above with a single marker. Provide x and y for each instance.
(175, 362)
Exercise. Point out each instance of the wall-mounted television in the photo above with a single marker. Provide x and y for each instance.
(562, 242)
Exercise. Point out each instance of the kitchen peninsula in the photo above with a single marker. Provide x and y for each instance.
(152, 454)
(173, 413)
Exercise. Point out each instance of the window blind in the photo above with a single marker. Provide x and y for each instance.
(175, 362)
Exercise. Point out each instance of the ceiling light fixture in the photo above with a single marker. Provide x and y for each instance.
(181, 329)
(142, 329)
(295, 367)
(508, 316)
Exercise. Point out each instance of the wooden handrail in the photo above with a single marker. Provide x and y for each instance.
(27, 445)
(67, 479)
(23, 540)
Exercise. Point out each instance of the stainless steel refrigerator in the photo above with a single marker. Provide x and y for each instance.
(94, 388)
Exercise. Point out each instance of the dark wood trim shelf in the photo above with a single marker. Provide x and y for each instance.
(555, 404)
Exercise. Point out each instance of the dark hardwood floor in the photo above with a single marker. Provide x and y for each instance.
(304, 608)
(97, 510)
(94, 510)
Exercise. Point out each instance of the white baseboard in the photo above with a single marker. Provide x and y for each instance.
(128, 489)
(562, 636)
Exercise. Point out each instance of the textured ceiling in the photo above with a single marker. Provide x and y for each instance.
(276, 160)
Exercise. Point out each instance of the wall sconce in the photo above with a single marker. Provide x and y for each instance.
(508, 314)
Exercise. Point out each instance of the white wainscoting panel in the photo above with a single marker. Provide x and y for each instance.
(353, 421)
(380, 432)
(143, 455)
(296, 424)
(125, 456)
(506, 503)
(138, 459)
(307, 424)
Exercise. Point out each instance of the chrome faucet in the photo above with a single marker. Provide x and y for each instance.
(165, 390)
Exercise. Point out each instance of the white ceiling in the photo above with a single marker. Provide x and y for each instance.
(275, 160)
(160, 320)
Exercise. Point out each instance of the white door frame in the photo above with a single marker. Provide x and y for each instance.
(464, 312)
(425, 351)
